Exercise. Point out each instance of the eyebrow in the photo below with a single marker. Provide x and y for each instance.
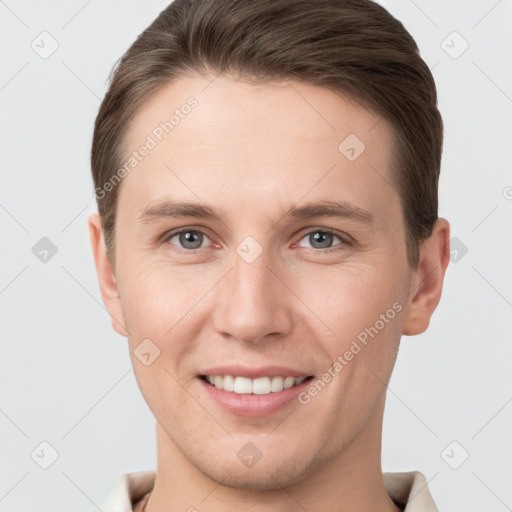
(328, 208)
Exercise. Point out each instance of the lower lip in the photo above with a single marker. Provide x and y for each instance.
(253, 405)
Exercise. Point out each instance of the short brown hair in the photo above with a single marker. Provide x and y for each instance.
(354, 47)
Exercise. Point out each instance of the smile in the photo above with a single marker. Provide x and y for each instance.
(247, 386)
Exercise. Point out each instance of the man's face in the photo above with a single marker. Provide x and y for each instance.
(262, 293)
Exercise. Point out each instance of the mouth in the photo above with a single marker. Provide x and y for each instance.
(265, 385)
(256, 391)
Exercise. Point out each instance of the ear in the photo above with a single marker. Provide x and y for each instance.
(106, 276)
(428, 278)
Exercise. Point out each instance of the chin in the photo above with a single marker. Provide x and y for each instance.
(265, 475)
(261, 481)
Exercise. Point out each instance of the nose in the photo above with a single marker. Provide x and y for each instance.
(253, 302)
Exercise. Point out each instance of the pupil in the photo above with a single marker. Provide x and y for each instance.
(190, 237)
(320, 236)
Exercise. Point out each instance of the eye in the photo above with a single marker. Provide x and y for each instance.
(189, 239)
(322, 239)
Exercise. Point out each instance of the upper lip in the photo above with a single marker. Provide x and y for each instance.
(254, 372)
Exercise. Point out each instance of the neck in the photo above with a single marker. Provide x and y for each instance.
(350, 481)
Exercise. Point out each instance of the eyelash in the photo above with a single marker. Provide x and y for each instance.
(345, 240)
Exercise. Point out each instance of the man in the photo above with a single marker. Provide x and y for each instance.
(266, 175)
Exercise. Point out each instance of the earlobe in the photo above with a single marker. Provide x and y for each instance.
(427, 282)
(106, 276)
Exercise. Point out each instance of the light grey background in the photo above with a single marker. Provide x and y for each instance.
(66, 375)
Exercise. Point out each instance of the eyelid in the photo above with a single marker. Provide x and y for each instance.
(170, 234)
(346, 239)
(341, 234)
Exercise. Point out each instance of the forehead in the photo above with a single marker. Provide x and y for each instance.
(283, 138)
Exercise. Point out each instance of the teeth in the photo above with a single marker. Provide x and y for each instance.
(276, 384)
(228, 383)
(242, 385)
(288, 382)
(259, 386)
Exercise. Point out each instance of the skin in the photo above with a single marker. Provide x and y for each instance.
(251, 152)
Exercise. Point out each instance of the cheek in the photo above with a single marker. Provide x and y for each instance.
(156, 297)
(348, 299)
(362, 306)
(161, 391)
(340, 300)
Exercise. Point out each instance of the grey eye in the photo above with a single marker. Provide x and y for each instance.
(323, 239)
(189, 238)
(320, 239)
